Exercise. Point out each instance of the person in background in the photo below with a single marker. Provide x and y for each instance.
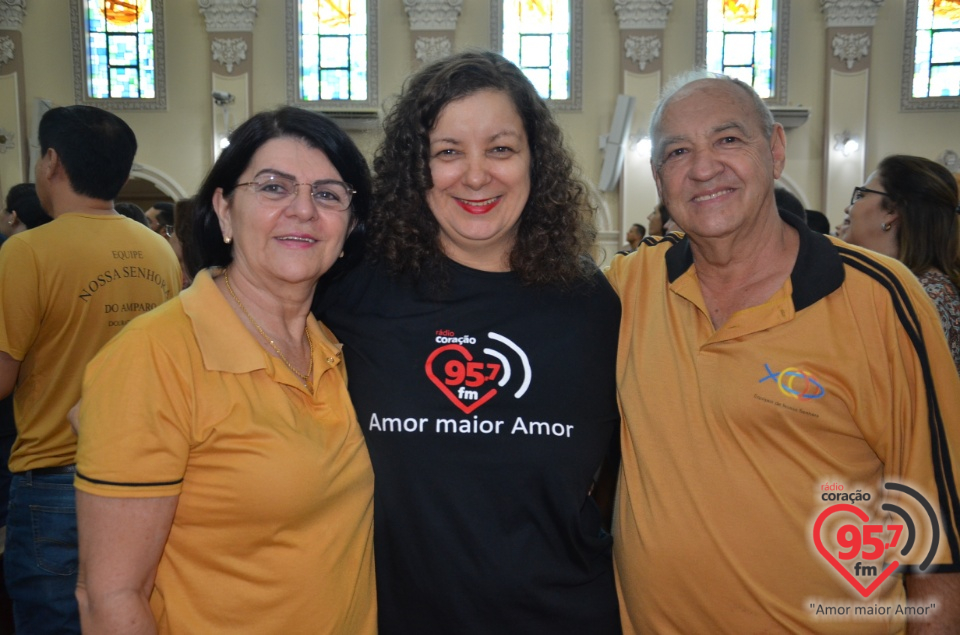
(184, 215)
(907, 209)
(160, 217)
(66, 288)
(22, 210)
(232, 490)
(133, 212)
(658, 219)
(722, 470)
(481, 345)
(634, 235)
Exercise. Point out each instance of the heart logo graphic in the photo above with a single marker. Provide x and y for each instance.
(829, 557)
(442, 385)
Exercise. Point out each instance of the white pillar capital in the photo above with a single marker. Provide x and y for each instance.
(228, 15)
(433, 15)
(11, 14)
(846, 13)
(642, 14)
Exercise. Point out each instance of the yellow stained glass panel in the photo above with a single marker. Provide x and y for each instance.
(332, 13)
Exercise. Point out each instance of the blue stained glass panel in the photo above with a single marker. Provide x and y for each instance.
(334, 84)
(123, 50)
(535, 50)
(358, 70)
(334, 51)
(945, 81)
(738, 49)
(124, 83)
(946, 47)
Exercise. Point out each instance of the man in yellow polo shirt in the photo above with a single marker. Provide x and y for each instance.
(65, 289)
(777, 387)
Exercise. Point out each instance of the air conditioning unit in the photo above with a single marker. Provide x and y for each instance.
(355, 119)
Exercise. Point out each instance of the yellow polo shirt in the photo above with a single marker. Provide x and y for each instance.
(730, 436)
(273, 529)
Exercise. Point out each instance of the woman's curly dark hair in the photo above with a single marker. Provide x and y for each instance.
(555, 230)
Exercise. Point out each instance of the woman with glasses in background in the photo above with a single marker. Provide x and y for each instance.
(908, 210)
(223, 482)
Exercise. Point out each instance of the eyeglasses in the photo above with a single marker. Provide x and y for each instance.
(859, 192)
(280, 191)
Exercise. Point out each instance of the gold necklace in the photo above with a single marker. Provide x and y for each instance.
(304, 379)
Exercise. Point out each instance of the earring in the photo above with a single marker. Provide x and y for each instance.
(10, 222)
(885, 226)
(227, 239)
(342, 254)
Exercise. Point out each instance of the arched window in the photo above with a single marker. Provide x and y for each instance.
(332, 54)
(931, 64)
(746, 39)
(543, 38)
(119, 59)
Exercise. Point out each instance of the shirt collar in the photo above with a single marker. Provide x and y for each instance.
(817, 273)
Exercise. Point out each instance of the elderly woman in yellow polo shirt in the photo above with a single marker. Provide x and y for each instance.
(223, 481)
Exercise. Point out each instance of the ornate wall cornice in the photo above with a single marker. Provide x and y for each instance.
(228, 51)
(851, 47)
(643, 14)
(11, 14)
(845, 13)
(433, 15)
(228, 15)
(431, 49)
(642, 49)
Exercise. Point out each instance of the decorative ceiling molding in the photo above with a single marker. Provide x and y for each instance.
(431, 49)
(433, 15)
(228, 15)
(11, 14)
(643, 49)
(642, 14)
(845, 13)
(851, 47)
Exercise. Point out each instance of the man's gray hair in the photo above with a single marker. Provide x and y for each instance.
(673, 86)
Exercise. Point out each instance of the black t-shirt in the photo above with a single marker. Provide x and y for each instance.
(486, 414)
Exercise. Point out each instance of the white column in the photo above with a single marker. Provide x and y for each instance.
(14, 146)
(849, 33)
(642, 25)
(230, 28)
(434, 23)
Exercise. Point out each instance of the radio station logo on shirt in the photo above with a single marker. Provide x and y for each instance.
(865, 551)
(470, 371)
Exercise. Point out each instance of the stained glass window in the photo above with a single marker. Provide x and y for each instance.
(740, 41)
(936, 61)
(542, 37)
(120, 49)
(118, 53)
(536, 37)
(334, 51)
